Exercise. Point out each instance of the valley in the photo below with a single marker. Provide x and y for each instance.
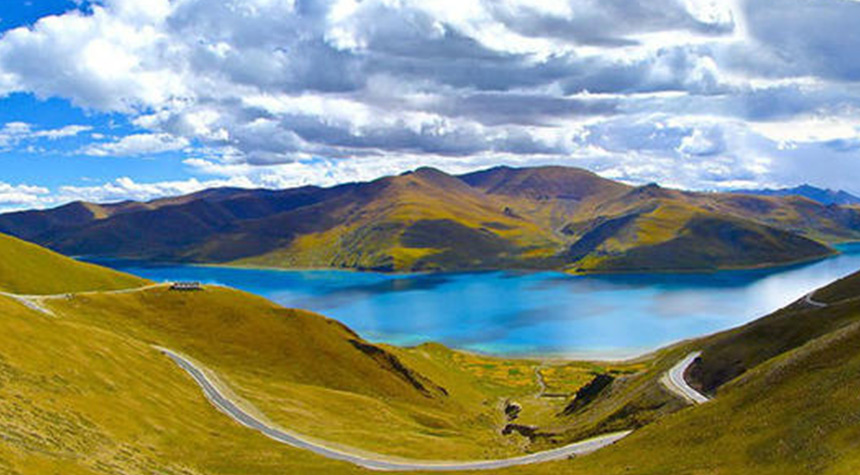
(292, 369)
(337, 237)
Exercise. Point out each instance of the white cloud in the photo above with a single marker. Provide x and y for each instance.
(126, 188)
(695, 92)
(13, 197)
(13, 133)
(63, 132)
(702, 143)
(137, 144)
(810, 129)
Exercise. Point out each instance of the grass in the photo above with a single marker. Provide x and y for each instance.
(796, 413)
(86, 392)
(300, 368)
(77, 399)
(843, 289)
(29, 269)
(133, 411)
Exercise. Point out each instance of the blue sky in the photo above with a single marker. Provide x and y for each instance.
(136, 99)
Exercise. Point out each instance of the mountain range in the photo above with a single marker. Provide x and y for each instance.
(427, 220)
(821, 195)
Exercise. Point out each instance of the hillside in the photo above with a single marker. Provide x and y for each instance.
(29, 269)
(673, 237)
(426, 220)
(87, 391)
(785, 400)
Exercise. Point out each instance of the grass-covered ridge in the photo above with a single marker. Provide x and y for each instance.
(29, 269)
(527, 218)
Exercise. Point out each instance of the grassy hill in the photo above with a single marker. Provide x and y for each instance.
(786, 400)
(86, 391)
(29, 269)
(673, 237)
(76, 399)
(533, 218)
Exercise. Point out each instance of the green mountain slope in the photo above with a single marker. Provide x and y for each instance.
(534, 218)
(29, 269)
(674, 237)
(75, 399)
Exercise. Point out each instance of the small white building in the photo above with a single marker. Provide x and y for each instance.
(186, 286)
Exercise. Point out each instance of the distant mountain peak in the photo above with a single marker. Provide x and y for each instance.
(824, 196)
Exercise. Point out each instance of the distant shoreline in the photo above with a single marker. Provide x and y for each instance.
(763, 266)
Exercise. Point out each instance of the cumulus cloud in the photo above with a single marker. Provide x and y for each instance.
(13, 133)
(20, 196)
(695, 92)
(137, 144)
(127, 188)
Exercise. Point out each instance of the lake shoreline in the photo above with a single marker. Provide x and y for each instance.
(544, 315)
(762, 266)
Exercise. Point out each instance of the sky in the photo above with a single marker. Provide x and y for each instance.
(137, 99)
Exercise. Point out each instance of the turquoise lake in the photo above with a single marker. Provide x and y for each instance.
(527, 313)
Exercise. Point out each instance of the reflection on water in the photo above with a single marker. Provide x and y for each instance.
(528, 313)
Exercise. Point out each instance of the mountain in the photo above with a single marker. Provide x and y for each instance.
(821, 195)
(426, 220)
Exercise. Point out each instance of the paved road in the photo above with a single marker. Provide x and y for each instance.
(675, 382)
(36, 302)
(29, 301)
(371, 461)
(810, 301)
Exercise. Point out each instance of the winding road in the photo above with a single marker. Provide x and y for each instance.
(35, 302)
(672, 379)
(675, 382)
(373, 461)
(810, 301)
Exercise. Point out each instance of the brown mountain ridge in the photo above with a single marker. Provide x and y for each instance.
(427, 220)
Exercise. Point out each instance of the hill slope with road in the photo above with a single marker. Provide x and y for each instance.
(785, 399)
(84, 388)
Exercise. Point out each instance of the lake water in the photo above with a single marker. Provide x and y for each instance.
(527, 313)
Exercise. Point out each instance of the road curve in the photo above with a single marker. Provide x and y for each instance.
(372, 461)
(30, 301)
(36, 301)
(675, 382)
(810, 301)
